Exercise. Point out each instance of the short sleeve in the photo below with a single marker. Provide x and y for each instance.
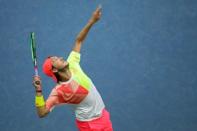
(74, 57)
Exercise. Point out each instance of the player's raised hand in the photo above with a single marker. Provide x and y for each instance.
(96, 14)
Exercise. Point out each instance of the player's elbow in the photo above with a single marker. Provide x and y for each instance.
(42, 115)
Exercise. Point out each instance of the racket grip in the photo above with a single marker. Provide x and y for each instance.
(36, 74)
(36, 70)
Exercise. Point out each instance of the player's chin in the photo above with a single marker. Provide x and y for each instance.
(65, 64)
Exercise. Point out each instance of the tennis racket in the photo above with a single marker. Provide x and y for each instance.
(33, 53)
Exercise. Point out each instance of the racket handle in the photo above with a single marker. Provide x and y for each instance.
(36, 74)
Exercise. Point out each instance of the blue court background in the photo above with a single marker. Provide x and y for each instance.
(141, 56)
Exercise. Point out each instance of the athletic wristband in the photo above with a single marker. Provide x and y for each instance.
(38, 91)
(39, 101)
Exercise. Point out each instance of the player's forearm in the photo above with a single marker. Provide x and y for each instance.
(82, 35)
(39, 99)
(40, 105)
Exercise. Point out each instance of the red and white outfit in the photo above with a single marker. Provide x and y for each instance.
(81, 93)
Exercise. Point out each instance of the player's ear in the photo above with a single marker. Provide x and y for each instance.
(54, 70)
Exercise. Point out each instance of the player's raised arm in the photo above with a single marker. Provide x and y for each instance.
(82, 35)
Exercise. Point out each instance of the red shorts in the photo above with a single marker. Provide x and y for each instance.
(101, 124)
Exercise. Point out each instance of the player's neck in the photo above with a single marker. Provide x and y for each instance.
(65, 76)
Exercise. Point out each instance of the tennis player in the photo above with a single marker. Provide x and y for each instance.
(74, 87)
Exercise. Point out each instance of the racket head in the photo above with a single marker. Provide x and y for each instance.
(33, 52)
(33, 48)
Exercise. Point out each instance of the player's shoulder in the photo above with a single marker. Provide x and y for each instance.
(57, 86)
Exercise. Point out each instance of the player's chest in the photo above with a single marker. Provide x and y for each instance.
(71, 92)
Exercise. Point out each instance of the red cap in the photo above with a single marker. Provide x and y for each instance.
(47, 69)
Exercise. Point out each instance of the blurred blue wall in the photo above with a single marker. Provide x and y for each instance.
(141, 56)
